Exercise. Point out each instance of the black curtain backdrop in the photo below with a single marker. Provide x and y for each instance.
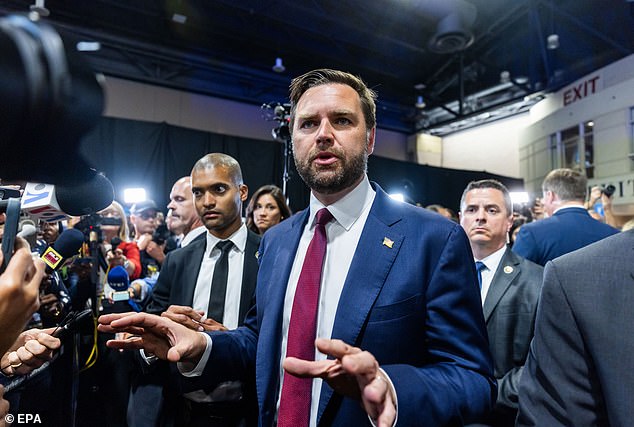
(154, 155)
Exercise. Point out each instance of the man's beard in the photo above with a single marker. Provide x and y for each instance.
(331, 180)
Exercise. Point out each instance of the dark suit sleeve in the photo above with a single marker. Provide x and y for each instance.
(526, 246)
(455, 384)
(556, 386)
(161, 292)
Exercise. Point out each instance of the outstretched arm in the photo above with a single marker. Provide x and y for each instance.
(156, 335)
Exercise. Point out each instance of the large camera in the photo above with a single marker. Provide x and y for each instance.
(91, 225)
(50, 99)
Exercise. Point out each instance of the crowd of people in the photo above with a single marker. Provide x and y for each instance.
(230, 310)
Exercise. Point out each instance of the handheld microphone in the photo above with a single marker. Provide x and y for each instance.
(29, 233)
(119, 281)
(67, 245)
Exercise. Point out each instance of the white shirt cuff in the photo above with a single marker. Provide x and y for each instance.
(198, 369)
(148, 359)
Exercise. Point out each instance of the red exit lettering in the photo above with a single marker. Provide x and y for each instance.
(581, 90)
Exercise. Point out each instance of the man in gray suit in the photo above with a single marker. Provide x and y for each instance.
(509, 288)
(579, 370)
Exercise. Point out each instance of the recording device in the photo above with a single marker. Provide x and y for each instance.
(608, 190)
(281, 113)
(90, 226)
(119, 281)
(66, 246)
(53, 203)
(68, 325)
(8, 192)
(50, 99)
(29, 233)
(161, 234)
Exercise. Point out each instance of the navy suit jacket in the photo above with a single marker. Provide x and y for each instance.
(579, 369)
(567, 230)
(414, 304)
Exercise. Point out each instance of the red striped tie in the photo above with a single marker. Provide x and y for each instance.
(296, 392)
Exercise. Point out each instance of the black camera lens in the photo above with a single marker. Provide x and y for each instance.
(608, 190)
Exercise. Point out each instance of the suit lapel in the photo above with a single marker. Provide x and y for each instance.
(249, 273)
(507, 270)
(191, 270)
(376, 251)
(270, 294)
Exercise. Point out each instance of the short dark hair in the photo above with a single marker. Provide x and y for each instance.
(215, 160)
(277, 195)
(567, 184)
(493, 184)
(323, 76)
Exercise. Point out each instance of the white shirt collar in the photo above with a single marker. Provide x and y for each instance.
(493, 260)
(193, 233)
(347, 209)
(239, 239)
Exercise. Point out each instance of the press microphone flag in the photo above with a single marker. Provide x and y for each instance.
(67, 245)
(39, 201)
(52, 203)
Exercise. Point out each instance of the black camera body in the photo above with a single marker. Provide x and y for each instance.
(92, 224)
(608, 190)
(161, 234)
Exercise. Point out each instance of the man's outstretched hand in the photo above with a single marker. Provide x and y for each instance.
(354, 373)
(156, 335)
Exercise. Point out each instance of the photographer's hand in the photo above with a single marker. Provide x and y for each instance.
(155, 251)
(19, 292)
(143, 241)
(29, 352)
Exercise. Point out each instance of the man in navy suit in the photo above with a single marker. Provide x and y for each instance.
(568, 226)
(399, 327)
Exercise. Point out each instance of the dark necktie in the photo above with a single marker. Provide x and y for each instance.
(218, 291)
(296, 392)
(480, 266)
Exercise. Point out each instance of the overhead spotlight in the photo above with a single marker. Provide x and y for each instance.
(420, 102)
(40, 8)
(134, 195)
(519, 197)
(279, 66)
(505, 76)
(552, 41)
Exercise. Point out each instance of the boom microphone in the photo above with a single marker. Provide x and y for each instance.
(67, 245)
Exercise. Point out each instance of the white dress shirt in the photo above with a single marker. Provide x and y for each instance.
(234, 281)
(187, 239)
(492, 262)
(343, 233)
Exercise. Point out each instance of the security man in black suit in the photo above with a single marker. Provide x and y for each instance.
(210, 283)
